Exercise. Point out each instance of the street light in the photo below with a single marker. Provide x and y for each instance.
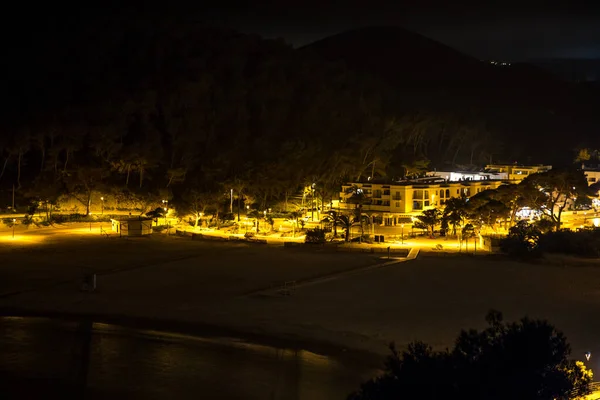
(231, 203)
(402, 226)
(312, 203)
(102, 200)
(14, 222)
(166, 209)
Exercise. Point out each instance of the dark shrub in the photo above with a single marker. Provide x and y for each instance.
(60, 218)
(532, 357)
(315, 236)
(8, 222)
(76, 217)
(522, 241)
(583, 243)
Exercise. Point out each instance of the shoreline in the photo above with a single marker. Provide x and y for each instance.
(337, 351)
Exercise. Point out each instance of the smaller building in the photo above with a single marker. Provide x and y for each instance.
(457, 176)
(516, 172)
(132, 226)
(592, 175)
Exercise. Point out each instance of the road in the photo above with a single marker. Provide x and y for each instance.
(23, 215)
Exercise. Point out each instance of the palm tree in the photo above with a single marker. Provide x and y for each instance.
(455, 212)
(345, 223)
(333, 219)
(238, 186)
(358, 198)
(468, 232)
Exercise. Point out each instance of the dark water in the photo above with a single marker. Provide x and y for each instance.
(40, 358)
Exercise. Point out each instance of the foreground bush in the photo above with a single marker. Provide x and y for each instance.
(521, 360)
(315, 236)
(522, 241)
(582, 243)
(526, 241)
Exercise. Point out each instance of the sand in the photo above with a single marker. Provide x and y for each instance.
(184, 283)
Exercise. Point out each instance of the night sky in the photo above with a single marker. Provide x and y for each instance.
(515, 31)
(509, 30)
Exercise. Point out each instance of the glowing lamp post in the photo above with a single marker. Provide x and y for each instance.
(231, 201)
(166, 209)
(14, 222)
(402, 233)
(102, 201)
(312, 203)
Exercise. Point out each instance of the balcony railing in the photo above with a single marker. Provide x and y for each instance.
(373, 207)
(593, 387)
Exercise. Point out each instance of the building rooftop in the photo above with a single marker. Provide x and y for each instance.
(423, 181)
(132, 218)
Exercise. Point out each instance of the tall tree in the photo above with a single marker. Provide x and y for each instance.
(430, 218)
(82, 182)
(553, 191)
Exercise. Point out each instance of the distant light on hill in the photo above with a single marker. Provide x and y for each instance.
(499, 63)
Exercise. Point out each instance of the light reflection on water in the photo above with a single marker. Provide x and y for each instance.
(48, 356)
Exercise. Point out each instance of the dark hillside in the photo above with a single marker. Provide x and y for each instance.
(527, 110)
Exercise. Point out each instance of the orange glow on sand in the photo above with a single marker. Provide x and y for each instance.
(21, 239)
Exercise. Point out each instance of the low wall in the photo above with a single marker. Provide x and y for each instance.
(199, 236)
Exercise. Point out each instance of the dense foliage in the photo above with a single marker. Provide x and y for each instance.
(526, 241)
(527, 359)
(551, 193)
(522, 241)
(164, 108)
(209, 110)
(315, 236)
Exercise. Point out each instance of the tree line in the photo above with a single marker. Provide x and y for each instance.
(159, 109)
(550, 193)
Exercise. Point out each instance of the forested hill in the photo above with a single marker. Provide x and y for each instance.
(149, 104)
(533, 114)
(157, 105)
